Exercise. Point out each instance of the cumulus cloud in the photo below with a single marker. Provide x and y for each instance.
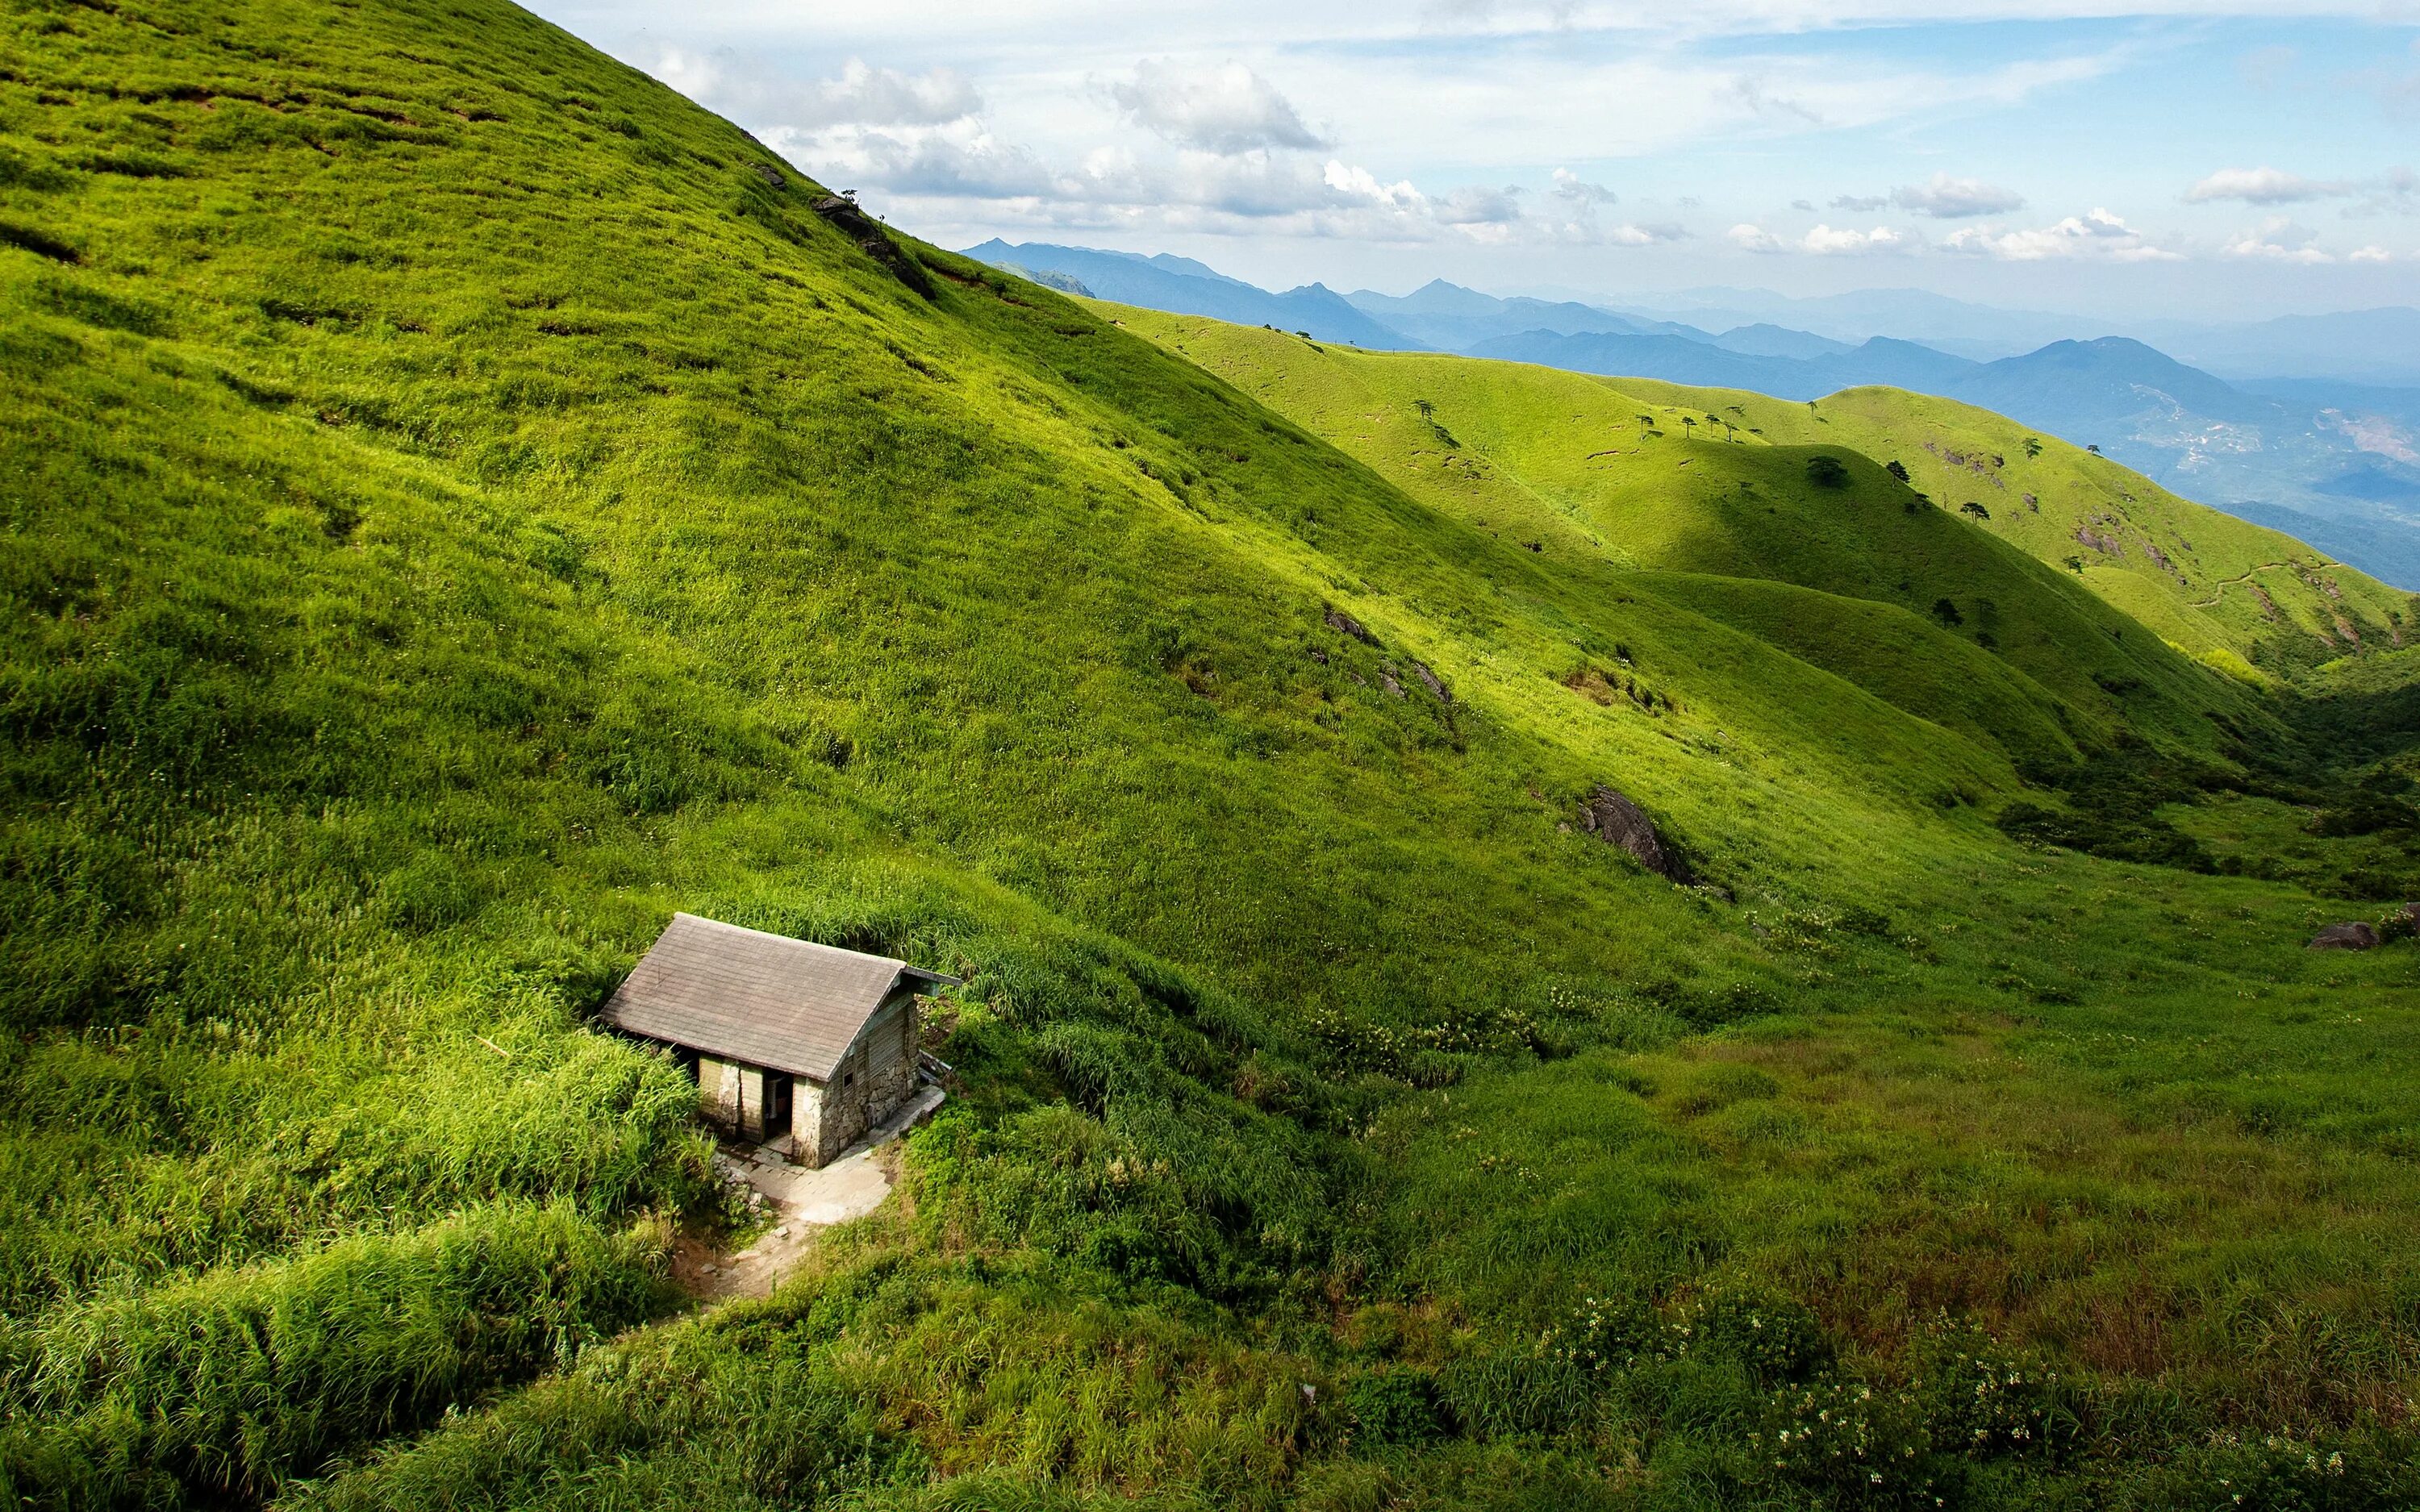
(2097, 234)
(2261, 186)
(1645, 235)
(2279, 239)
(941, 165)
(1474, 205)
(1572, 187)
(2396, 192)
(1826, 242)
(1570, 215)
(1822, 241)
(2370, 254)
(1950, 199)
(1227, 109)
(861, 96)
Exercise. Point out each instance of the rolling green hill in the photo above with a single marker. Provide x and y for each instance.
(463, 503)
(1654, 475)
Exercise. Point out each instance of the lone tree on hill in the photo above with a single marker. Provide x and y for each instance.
(1826, 472)
(1897, 469)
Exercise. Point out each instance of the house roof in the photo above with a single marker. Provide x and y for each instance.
(765, 999)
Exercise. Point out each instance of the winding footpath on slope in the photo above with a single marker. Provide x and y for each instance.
(803, 1202)
(2219, 591)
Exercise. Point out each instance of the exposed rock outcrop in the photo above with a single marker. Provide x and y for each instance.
(1615, 820)
(868, 234)
(1344, 624)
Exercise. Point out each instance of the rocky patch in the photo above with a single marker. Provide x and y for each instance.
(861, 228)
(2353, 936)
(1615, 820)
(1344, 624)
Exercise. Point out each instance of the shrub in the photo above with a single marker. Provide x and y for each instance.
(1395, 1405)
(1775, 1338)
(1826, 472)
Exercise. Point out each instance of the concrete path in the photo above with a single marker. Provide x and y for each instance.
(803, 1202)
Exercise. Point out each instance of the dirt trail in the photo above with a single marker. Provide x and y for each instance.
(2219, 590)
(801, 1202)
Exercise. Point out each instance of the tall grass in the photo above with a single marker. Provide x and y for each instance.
(230, 1384)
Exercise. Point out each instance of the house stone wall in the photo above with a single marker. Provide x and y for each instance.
(718, 1090)
(872, 1080)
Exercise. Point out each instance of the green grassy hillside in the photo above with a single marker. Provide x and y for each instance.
(1655, 475)
(463, 503)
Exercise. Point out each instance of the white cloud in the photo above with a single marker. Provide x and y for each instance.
(1859, 204)
(2396, 192)
(1227, 109)
(2279, 239)
(1359, 184)
(1572, 219)
(1826, 242)
(1823, 240)
(1948, 199)
(2370, 254)
(1572, 187)
(971, 164)
(1473, 203)
(2261, 186)
(861, 96)
(2097, 234)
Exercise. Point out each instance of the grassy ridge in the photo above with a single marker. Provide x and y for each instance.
(463, 503)
(1657, 475)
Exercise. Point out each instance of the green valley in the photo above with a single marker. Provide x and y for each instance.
(463, 503)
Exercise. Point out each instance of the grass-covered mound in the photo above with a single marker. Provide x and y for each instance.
(463, 503)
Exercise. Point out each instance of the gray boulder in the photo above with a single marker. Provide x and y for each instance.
(2353, 936)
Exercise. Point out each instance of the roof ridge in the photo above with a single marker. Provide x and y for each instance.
(785, 940)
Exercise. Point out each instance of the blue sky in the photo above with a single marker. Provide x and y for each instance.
(2059, 154)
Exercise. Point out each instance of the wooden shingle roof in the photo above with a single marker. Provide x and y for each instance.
(765, 999)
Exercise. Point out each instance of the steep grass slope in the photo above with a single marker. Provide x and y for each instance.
(2205, 581)
(462, 503)
(1573, 465)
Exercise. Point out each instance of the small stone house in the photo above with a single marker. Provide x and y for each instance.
(800, 1046)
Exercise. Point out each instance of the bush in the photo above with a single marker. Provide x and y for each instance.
(1826, 472)
(1395, 1405)
(1773, 1338)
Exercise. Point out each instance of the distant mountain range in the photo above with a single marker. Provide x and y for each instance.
(2308, 447)
(1184, 287)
